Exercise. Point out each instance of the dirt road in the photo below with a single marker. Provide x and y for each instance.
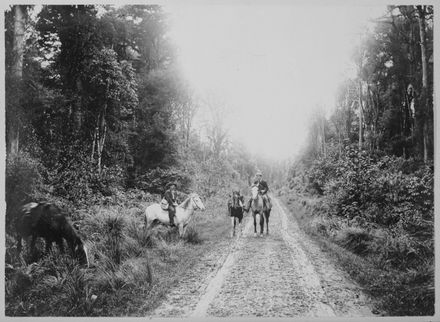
(283, 274)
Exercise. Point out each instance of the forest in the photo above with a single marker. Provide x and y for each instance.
(367, 170)
(99, 117)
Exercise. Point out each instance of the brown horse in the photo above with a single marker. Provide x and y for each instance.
(259, 209)
(48, 221)
(235, 210)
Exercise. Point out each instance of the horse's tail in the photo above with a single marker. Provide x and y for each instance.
(148, 216)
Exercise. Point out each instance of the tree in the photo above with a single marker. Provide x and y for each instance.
(217, 133)
(112, 89)
(16, 30)
(425, 95)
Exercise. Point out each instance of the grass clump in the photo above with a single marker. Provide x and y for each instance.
(394, 266)
(132, 267)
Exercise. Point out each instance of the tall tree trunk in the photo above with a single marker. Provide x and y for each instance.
(424, 97)
(361, 121)
(99, 139)
(324, 152)
(18, 44)
(17, 75)
(422, 30)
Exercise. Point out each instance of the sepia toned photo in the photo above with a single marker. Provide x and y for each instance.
(219, 160)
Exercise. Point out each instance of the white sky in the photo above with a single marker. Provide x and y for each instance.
(272, 64)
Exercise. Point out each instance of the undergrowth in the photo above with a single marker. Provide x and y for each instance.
(396, 269)
(131, 267)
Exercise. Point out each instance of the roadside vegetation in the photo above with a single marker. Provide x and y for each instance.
(364, 184)
(378, 221)
(99, 119)
(132, 268)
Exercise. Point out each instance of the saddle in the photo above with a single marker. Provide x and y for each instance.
(164, 204)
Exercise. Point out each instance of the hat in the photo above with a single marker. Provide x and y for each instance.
(169, 184)
(259, 173)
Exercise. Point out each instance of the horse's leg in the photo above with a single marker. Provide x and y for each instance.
(181, 231)
(267, 222)
(34, 239)
(261, 224)
(60, 245)
(48, 244)
(184, 229)
(19, 245)
(257, 219)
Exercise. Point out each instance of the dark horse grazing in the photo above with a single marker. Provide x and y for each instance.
(48, 221)
(235, 210)
(258, 209)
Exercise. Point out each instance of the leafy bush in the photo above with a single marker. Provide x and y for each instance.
(57, 286)
(385, 205)
(80, 182)
(24, 182)
(354, 239)
(154, 181)
(192, 236)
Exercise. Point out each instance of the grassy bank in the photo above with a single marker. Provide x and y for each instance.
(132, 268)
(389, 266)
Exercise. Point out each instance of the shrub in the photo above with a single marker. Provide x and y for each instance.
(354, 239)
(57, 286)
(24, 181)
(155, 180)
(192, 236)
(81, 183)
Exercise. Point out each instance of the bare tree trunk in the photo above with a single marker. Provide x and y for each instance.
(94, 143)
(101, 146)
(17, 74)
(360, 117)
(424, 106)
(324, 152)
(101, 138)
(422, 30)
(18, 44)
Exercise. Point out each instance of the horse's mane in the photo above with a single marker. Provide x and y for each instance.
(185, 204)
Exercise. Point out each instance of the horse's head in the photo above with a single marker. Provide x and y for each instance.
(254, 192)
(76, 244)
(80, 252)
(236, 199)
(197, 201)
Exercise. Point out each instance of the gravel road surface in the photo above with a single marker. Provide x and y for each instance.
(283, 274)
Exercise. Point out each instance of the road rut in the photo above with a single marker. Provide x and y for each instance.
(283, 274)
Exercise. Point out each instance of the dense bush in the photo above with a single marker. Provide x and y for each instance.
(384, 210)
(155, 180)
(24, 182)
(81, 183)
(376, 189)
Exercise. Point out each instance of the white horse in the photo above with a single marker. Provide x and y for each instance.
(184, 212)
(259, 211)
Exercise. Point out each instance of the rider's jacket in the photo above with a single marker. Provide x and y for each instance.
(262, 186)
(169, 197)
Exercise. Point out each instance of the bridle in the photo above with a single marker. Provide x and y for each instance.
(236, 202)
(256, 194)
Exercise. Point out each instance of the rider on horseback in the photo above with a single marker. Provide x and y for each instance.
(171, 196)
(263, 188)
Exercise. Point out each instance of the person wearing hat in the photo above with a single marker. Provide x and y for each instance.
(170, 195)
(263, 188)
